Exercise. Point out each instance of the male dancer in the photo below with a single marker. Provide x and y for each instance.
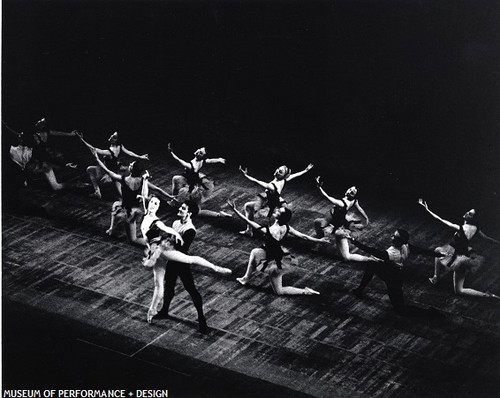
(184, 226)
(388, 266)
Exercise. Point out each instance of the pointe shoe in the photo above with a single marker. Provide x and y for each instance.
(310, 291)
(223, 271)
(242, 280)
(247, 233)
(434, 280)
(150, 316)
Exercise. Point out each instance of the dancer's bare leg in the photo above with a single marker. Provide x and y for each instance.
(256, 256)
(159, 278)
(279, 289)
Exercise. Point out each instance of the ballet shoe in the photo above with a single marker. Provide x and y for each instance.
(247, 233)
(223, 271)
(150, 316)
(433, 280)
(242, 280)
(310, 291)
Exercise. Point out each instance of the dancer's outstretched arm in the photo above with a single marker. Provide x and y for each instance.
(170, 231)
(253, 224)
(215, 160)
(423, 203)
(183, 163)
(134, 155)
(336, 202)
(301, 235)
(300, 173)
(92, 148)
(361, 211)
(265, 185)
(484, 236)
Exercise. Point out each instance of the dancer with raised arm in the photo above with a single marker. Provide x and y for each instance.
(271, 197)
(193, 185)
(271, 258)
(111, 158)
(339, 220)
(131, 186)
(461, 258)
(156, 234)
(388, 266)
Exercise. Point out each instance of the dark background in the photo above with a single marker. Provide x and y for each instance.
(398, 97)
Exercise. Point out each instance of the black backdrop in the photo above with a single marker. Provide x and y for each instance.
(400, 97)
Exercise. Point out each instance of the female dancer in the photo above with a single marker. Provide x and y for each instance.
(269, 258)
(111, 160)
(131, 186)
(154, 232)
(460, 257)
(194, 185)
(338, 221)
(272, 196)
(192, 175)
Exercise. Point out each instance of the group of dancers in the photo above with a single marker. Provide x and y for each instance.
(167, 247)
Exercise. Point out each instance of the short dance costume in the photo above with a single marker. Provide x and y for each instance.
(158, 242)
(273, 263)
(459, 255)
(271, 199)
(337, 219)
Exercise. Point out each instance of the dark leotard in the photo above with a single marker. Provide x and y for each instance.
(272, 199)
(273, 248)
(129, 196)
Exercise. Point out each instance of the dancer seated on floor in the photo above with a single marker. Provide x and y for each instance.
(34, 157)
(157, 235)
(388, 266)
(271, 197)
(111, 157)
(129, 207)
(271, 258)
(461, 257)
(339, 221)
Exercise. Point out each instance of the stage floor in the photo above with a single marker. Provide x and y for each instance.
(75, 303)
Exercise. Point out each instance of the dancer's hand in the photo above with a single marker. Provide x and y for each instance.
(309, 166)
(146, 175)
(319, 183)
(169, 147)
(79, 134)
(179, 240)
(423, 203)
(244, 171)
(144, 157)
(71, 165)
(324, 239)
(75, 133)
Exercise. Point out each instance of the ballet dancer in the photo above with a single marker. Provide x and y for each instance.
(271, 258)
(339, 221)
(271, 197)
(461, 258)
(156, 234)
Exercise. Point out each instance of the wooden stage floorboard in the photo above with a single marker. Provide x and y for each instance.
(87, 295)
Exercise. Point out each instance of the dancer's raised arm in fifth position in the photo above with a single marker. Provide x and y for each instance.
(156, 234)
(339, 220)
(271, 197)
(271, 258)
(461, 258)
(111, 160)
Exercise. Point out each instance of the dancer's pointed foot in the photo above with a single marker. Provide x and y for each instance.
(222, 270)
(310, 291)
(151, 315)
(243, 280)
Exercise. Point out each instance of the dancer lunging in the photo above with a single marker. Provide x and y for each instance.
(388, 266)
(271, 258)
(339, 220)
(111, 158)
(271, 197)
(461, 258)
(160, 247)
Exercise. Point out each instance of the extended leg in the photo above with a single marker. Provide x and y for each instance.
(256, 256)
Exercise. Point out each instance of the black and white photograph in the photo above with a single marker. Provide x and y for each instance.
(250, 198)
